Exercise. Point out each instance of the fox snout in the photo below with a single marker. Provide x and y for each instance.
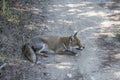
(80, 47)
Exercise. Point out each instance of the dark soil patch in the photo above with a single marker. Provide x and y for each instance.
(110, 50)
(15, 30)
(112, 5)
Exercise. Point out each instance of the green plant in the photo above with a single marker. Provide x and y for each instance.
(15, 16)
(4, 6)
(12, 14)
(117, 34)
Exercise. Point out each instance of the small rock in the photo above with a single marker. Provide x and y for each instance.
(77, 55)
(38, 62)
(46, 74)
(69, 75)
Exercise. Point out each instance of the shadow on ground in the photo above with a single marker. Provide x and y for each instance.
(108, 43)
(17, 26)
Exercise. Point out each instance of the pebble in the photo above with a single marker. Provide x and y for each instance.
(69, 75)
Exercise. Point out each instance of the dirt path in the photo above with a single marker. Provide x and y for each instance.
(96, 19)
(63, 17)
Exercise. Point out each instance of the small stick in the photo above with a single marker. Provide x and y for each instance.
(3, 65)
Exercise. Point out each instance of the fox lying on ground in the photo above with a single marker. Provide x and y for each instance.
(51, 44)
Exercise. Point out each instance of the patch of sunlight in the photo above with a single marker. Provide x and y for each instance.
(36, 10)
(71, 13)
(101, 13)
(106, 23)
(64, 65)
(89, 28)
(115, 22)
(62, 15)
(106, 35)
(90, 7)
(66, 21)
(117, 74)
(50, 21)
(92, 28)
(30, 27)
(116, 11)
(93, 78)
(59, 5)
(75, 5)
(56, 9)
(92, 13)
(60, 20)
(74, 10)
(93, 58)
(52, 10)
(116, 56)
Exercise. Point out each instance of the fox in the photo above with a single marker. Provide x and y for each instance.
(50, 44)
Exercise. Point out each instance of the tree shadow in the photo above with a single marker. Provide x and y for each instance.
(112, 5)
(110, 50)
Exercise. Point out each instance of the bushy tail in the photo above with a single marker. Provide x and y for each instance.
(29, 53)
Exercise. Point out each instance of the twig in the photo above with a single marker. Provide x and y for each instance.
(3, 65)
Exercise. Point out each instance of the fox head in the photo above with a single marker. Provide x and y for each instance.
(75, 42)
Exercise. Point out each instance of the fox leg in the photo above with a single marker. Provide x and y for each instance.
(66, 50)
(44, 51)
(41, 54)
(61, 50)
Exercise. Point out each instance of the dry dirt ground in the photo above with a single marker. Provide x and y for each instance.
(96, 19)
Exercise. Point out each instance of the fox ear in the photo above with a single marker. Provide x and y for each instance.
(75, 34)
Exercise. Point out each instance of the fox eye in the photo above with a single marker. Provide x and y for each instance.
(71, 38)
